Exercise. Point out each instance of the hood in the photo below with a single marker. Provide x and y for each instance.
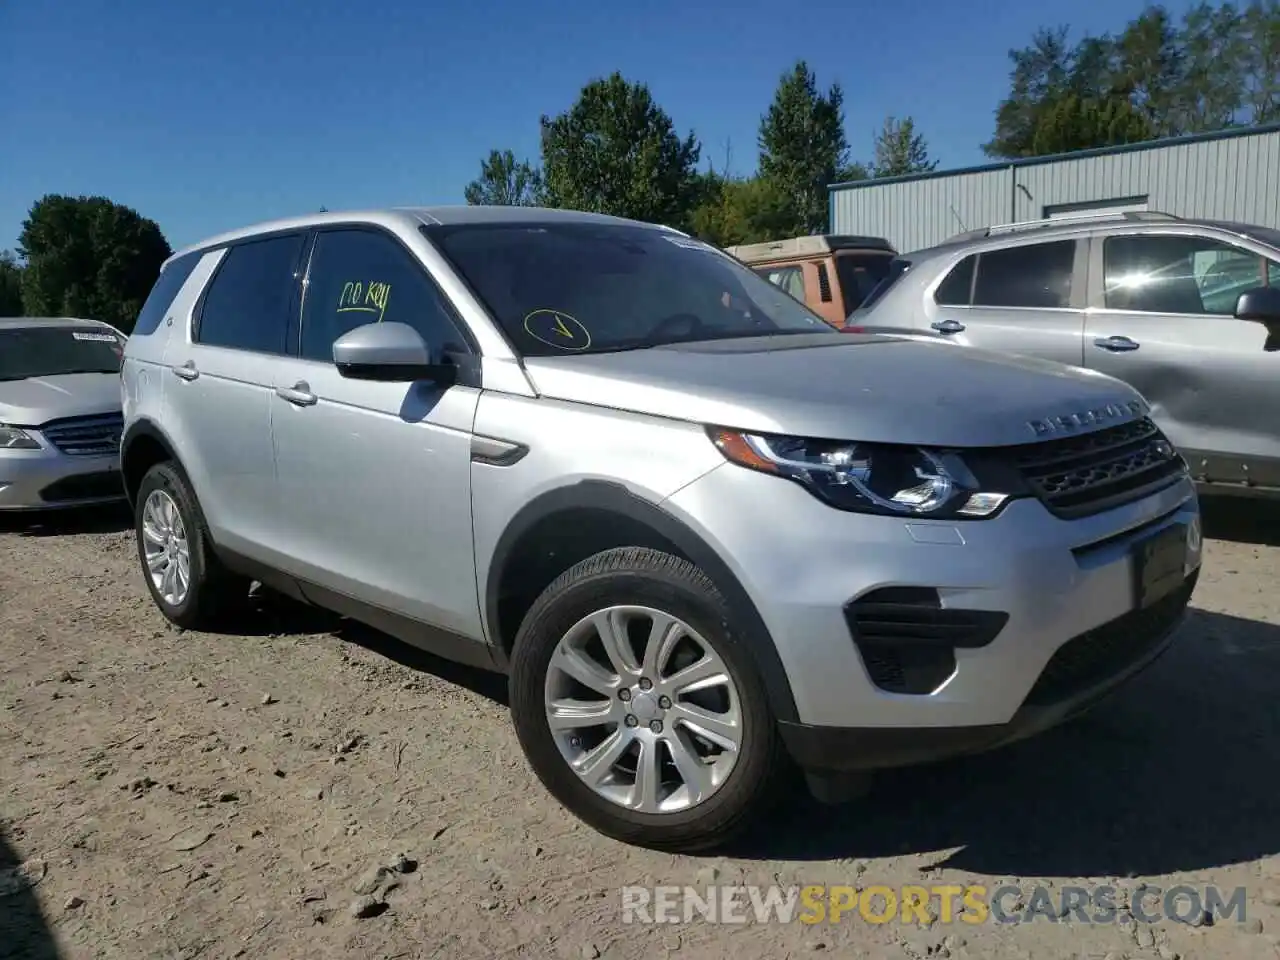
(36, 400)
(837, 386)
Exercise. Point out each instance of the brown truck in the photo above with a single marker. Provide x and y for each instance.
(830, 274)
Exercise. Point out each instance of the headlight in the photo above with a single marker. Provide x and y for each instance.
(868, 477)
(15, 438)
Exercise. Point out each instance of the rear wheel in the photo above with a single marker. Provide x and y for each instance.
(639, 708)
(186, 580)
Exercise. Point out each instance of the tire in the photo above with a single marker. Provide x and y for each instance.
(213, 592)
(644, 578)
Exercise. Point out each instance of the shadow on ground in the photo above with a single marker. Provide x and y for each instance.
(273, 614)
(1174, 772)
(1242, 519)
(24, 932)
(60, 523)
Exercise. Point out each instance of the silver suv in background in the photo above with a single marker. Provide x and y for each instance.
(701, 530)
(60, 419)
(1186, 311)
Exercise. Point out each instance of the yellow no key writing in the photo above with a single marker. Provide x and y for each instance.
(364, 298)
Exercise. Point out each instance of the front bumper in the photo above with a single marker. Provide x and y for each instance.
(1043, 581)
(47, 479)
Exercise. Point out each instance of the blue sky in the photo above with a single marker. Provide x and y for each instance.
(209, 116)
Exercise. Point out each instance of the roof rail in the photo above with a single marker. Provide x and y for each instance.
(1095, 217)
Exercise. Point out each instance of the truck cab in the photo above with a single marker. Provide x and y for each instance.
(831, 274)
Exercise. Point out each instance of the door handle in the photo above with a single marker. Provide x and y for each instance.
(187, 371)
(948, 326)
(1116, 344)
(299, 394)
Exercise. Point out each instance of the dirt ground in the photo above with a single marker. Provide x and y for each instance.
(173, 795)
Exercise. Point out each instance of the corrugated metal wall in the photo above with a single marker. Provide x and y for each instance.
(1228, 177)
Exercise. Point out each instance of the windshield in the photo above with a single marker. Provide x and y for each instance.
(561, 288)
(859, 275)
(54, 351)
(894, 271)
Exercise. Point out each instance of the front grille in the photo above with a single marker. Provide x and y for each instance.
(1083, 475)
(84, 486)
(907, 639)
(86, 436)
(1110, 649)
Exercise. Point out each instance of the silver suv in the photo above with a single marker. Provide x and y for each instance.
(702, 532)
(1185, 311)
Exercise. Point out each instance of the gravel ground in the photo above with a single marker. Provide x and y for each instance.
(170, 794)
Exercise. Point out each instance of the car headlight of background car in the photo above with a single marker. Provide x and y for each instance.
(15, 438)
(881, 478)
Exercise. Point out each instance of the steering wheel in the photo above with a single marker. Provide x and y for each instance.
(692, 319)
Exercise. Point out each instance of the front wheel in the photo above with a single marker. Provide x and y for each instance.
(638, 706)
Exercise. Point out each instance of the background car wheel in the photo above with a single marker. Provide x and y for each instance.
(638, 707)
(186, 581)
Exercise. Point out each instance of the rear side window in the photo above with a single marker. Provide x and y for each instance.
(251, 301)
(162, 293)
(1037, 275)
(955, 289)
(790, 279)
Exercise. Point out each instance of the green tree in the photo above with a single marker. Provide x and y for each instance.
(742, 210)
(1041, 72)
(616, 151)
(803, 148)
(1260, 61)
(10, 285)
(1215, 65)
(900, 150)
(1218, 67)
(1153, 62)
(1072, 122)
(504, 181)
(89, 257)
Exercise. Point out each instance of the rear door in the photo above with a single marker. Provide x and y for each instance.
(1025, 299)
(219, 389)
(1162, 319)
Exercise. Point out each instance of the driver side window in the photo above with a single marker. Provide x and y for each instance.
(360, 276)
(1177, 274)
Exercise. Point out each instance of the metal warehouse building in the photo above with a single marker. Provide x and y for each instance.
(1231, 175)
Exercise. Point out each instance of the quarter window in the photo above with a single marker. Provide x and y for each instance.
(251, 301)
(358, 277)
(162, 293)
(1037, 275)
(955, 289)
(1177, 274)
(790, 279)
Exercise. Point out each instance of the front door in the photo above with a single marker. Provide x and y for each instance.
(1027, 299)
(374, 478)
(1162, 320)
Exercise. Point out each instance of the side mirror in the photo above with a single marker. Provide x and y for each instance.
(1261, 304)
(389, 352)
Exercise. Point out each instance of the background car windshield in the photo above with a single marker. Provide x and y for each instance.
(54, 351)
(591, 288)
